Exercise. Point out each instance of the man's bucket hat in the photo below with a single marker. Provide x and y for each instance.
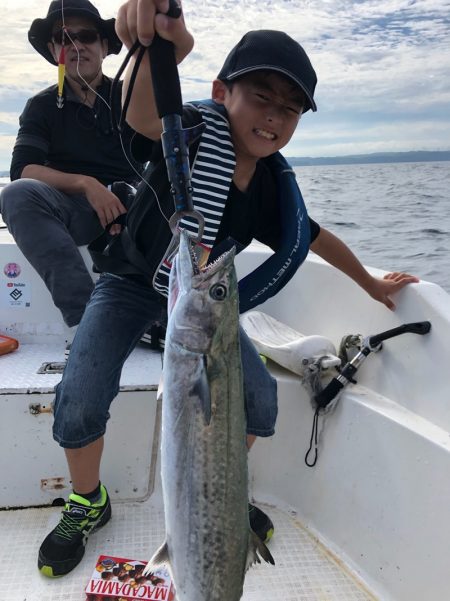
(266, 49)
(41, 29)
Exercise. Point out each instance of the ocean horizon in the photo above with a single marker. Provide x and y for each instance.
(393, 216)
(411, 156)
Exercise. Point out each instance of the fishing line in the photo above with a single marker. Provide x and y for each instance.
(117, 126)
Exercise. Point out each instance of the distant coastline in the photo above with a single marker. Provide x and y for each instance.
(414, 156)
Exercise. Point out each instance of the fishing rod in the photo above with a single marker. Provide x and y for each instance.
(175, 139)
(371, 344)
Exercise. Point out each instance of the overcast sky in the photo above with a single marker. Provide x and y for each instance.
(383, 67)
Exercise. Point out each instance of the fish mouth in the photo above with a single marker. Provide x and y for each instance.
(199, 259)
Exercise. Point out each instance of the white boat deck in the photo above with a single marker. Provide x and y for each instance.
(19, 370)
(304, 570)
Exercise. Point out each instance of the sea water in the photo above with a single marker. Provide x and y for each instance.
(394, 216)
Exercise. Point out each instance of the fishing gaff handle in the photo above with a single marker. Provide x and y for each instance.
(165, 78)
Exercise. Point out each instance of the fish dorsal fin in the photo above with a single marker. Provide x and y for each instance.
(161, 556)
(255, 546)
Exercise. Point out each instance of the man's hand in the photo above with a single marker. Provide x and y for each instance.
(141, 19)
(381, 289)
(106, 204)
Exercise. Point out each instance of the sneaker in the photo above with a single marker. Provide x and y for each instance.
(63, 548)
(260, 523)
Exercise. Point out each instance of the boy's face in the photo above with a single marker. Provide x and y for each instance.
(85, 57)
(264, 109)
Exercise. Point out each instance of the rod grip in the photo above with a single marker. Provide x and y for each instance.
(165, 78)
(328, 393)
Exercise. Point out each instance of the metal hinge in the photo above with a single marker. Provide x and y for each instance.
(38, 409)
(52, 367)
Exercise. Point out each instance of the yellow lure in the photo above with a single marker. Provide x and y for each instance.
(61, 75)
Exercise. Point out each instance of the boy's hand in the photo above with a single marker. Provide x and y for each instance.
(381, 290)
(141, 19)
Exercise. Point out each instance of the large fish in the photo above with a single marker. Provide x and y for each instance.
(209, 544)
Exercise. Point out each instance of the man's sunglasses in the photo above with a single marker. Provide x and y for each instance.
(85, 36)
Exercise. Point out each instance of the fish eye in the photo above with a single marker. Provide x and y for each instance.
(218, 292)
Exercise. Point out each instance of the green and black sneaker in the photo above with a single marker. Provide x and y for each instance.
(63, 548)
(260, 523)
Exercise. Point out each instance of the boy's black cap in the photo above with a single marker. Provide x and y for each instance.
(274, 51)
(41, 29)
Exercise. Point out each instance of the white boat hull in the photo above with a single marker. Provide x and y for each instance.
(378, 497)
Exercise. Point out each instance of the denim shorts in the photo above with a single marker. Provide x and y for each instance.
(119, 312)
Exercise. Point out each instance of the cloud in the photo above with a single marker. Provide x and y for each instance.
(382, 65)
(398, 136)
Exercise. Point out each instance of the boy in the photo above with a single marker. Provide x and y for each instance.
(265, 84)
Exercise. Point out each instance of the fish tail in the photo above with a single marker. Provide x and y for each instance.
(255, 546)
(160, 557)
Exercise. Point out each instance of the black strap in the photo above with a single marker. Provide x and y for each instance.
(103, 263)
(314, 435)
(118, 121)
(134, 255)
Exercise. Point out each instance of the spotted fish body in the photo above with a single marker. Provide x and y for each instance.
(209, 543)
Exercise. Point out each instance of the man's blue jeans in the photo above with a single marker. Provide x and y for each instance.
(119, 312)
(48, 226)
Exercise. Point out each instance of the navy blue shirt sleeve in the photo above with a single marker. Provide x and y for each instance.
(33, 139)
(74, 139)
(314, 228)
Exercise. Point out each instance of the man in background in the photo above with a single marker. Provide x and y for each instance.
(66, 156)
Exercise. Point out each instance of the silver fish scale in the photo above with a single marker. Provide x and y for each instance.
(204, 455)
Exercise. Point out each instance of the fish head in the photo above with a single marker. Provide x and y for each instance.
(203, 301)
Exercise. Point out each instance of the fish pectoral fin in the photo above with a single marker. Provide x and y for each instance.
(161, 556)
(255, 546)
